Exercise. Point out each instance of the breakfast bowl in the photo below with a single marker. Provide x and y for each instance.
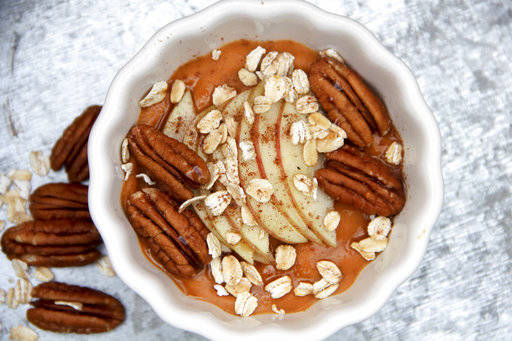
(198, 34)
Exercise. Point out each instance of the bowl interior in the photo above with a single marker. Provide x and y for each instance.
(197, 35)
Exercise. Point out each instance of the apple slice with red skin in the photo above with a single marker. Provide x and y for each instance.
(253, 235)
(291, 162)
(222, 225)
(264, 138)
(266, 214)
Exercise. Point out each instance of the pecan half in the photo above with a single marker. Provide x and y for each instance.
(176, 240)
(60, 200)
(57, 242)
(71, 149)
(167, 161)
(362, 181)
(348, 100)
(65, 308)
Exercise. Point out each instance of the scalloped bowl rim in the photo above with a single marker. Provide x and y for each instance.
(151, 287)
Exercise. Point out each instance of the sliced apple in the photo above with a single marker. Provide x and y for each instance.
(251, 234)
(259, 237)
(219, 227)
(266, 214)
(257, 258)
(231, 220)
(292, 162)
(236, 105)
(259, 242)
(180, 121)
(264, 138)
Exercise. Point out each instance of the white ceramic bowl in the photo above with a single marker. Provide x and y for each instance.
(198, 34)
